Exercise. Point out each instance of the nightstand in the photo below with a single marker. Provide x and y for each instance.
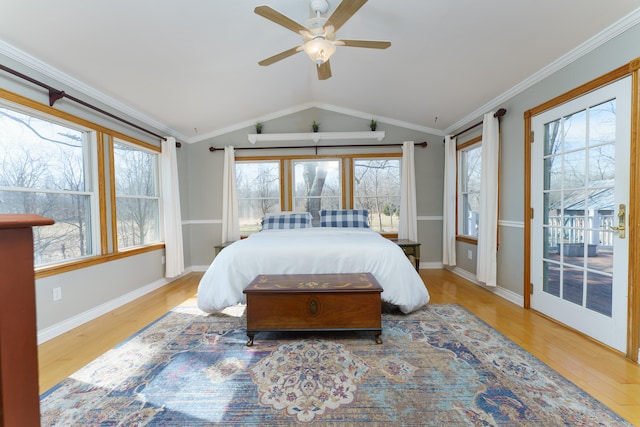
(221, 246)
(410, 248)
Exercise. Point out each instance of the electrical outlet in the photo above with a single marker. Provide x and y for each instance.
(164, 260)
(470, 254)
(57, 293)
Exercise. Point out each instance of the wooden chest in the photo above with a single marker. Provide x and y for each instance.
(314, 302)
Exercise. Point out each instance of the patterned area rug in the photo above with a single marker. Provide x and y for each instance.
(440, 366)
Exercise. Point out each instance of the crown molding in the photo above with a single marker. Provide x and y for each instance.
(573, 55)
(65, 79)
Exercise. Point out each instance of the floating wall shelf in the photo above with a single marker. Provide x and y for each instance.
(315, 136)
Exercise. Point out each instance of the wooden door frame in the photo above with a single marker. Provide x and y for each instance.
(633, 311)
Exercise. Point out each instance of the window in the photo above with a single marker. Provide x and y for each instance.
(376, 187)
(469, 168)
(316, 185)
(46, 168)
(137, 195)
(258, 192)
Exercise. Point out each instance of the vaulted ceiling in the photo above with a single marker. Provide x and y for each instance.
(190, 67)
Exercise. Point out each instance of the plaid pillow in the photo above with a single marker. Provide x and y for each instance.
(286, 221)
(344, 218)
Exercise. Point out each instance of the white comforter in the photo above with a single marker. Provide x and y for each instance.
(311, 251)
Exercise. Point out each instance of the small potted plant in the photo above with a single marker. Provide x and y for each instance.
(315, 126)
(258, 127)
(373, 125)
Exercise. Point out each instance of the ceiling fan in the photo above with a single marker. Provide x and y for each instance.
(318, 33)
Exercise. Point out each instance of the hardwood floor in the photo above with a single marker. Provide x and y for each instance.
(601, 372)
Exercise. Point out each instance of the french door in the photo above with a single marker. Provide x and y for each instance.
(580, 198)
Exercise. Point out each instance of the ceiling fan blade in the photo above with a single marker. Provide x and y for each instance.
(280, 56)
(324, 70)
(372, 44)
(275, 16)
(343, 12)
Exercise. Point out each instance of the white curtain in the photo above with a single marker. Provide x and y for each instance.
(449, 203)
(230, 220)
(174, 254)
(408, 224)
(486, 269)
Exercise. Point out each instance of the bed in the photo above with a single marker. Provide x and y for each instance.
(283, 248)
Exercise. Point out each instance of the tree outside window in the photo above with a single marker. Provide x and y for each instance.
(45, 169)
(377, 188)
(137, 195)
(316, 186)
(258, 192)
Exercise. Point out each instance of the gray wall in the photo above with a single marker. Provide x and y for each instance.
(204, 175)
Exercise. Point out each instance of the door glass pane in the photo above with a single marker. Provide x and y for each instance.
(572, 284)
(602, 164)
(552, 208)
(601, 258)
(574, 169)
(550, 245)
(553, 173)
(599, 288)
(551, 278)
(551, 137)
(575, 131)
(573, 252)
(602, 123)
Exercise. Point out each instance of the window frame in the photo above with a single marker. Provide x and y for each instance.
(346, 174)
(90, 179)
(460, 148)
(102, 173)
(280, 163)
(387, 156)
(157, 187)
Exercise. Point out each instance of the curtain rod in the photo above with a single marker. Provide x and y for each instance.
(422, 144)
(55, 94)
(501, 112)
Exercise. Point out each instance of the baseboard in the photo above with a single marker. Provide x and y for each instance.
(431, 265)
(73, 322)
(498, 290)
(199, 267)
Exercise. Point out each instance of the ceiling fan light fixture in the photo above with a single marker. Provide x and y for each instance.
(319, 50)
